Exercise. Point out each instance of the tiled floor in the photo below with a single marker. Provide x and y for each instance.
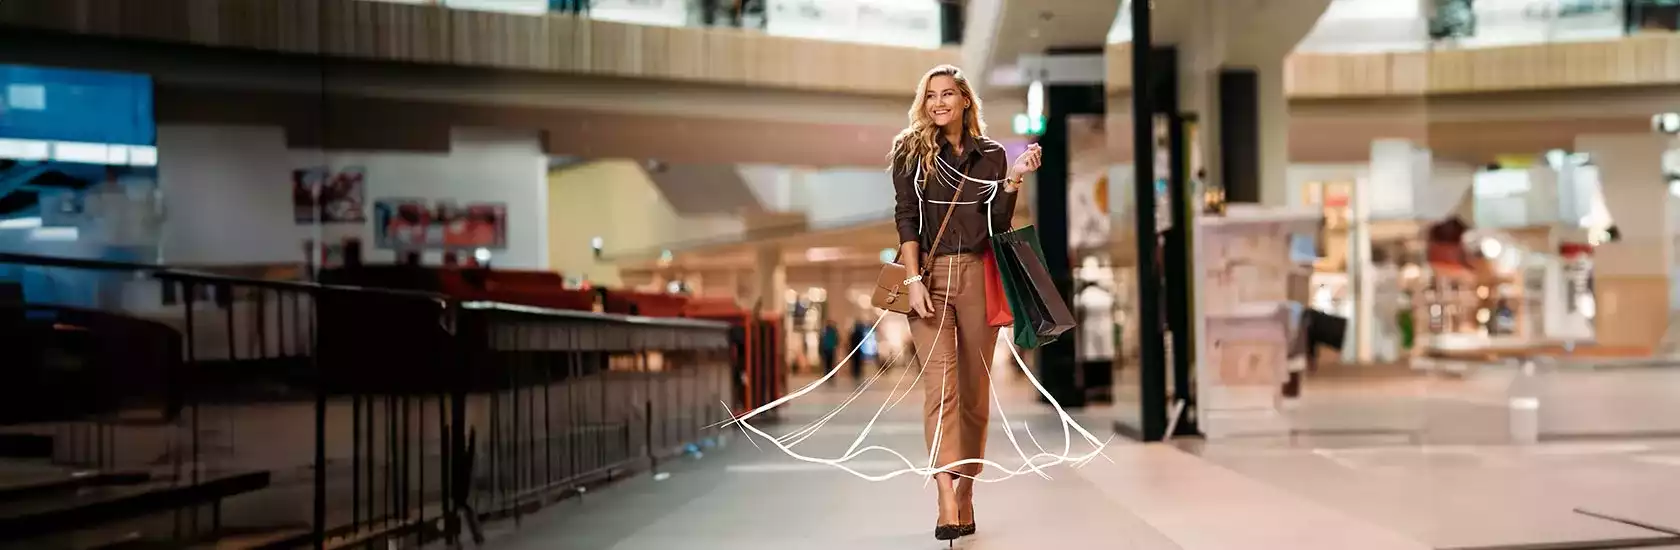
(1434, 458)
(1385, 463)
(1144, 497)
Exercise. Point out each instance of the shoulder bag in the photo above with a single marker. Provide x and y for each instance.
(891, 293)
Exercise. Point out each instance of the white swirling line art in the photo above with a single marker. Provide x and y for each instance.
(1032, 463)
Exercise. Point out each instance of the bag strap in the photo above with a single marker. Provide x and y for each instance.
(943, 223)
(899, 255)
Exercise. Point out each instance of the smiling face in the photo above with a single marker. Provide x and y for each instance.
(944, 101)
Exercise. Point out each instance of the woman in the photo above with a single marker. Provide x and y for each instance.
(945, 149)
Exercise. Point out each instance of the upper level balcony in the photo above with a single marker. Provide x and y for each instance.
(925, 24)
(1378, 48)
(1359, 26)
(847, 46)
(1387, 26)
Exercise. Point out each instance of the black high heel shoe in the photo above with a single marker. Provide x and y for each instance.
(965, 529)
(948, 532)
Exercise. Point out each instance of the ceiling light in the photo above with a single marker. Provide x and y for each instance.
(20, 223)
(1035, 99)
(54, 234)
(1491, 248)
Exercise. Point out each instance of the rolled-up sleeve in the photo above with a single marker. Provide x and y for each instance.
(906, 207)
(1003, 206)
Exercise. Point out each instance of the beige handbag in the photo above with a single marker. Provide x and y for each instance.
(891, 293)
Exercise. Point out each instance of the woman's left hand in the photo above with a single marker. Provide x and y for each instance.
(1027, 163)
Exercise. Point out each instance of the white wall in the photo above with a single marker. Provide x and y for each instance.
(831, 197)
(773, 185)
(1354, 26)
(527, 7)
(845, 196)
(665, 13)
(1301, 174)
(1502, 198)
(1511, 22)
(614, 199)
(1437, 187)
(227, 192)
(1399, 177)
(908, 23)
(1449, 182)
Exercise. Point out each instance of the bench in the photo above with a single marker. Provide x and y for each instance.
(93, 507)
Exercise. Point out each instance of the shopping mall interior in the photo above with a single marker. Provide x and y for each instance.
(1411, 279)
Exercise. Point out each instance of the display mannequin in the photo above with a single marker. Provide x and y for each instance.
(1095, 306)
(1385, 308)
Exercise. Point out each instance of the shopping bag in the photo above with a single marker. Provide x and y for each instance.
(998, 313)
(1039, 296)
(1014, 288)
(1041, 313)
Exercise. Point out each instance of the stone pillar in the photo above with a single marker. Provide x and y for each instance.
(1215, 36)
(1630, 276)
(1274, 132)
(768, 283)
(1399, 174)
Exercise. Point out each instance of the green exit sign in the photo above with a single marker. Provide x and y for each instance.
(1029, 125)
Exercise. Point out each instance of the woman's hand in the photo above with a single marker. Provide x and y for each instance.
(1027, 163)
(920, 303)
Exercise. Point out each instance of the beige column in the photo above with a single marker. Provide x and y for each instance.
(1217, 34)
(769, 281)
(1631, 276)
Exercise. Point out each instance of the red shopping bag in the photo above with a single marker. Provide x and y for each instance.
(997, 303)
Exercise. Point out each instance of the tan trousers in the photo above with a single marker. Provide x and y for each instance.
(955, 346)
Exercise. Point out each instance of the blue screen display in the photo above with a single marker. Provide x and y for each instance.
(73, 105)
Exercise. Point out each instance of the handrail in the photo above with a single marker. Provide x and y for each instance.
(676, 322)
(170, 273)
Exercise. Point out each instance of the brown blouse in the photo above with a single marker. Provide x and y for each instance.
(982, 159)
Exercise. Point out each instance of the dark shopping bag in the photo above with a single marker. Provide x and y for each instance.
(1041, 314)
(1009, 273)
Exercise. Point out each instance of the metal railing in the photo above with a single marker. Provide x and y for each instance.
(1461, 24)
(741, 14)
(204, 409)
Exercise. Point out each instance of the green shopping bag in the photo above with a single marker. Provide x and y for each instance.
(1041, 314)
(1009, 272)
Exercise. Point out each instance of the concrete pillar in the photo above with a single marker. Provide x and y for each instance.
(1274, 135)
(1216, 35)
(1631, 276)
(1393, 188)
(1394, 182)
(769, 281)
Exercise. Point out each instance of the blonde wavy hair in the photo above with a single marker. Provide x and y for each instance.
(919, 142)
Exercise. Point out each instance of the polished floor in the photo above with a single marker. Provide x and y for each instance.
(1437, 484)
(1494, 457)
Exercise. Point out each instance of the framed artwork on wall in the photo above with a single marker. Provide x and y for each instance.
(321, 195)
(413, 224)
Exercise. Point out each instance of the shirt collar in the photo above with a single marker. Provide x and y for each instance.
(971, 146)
